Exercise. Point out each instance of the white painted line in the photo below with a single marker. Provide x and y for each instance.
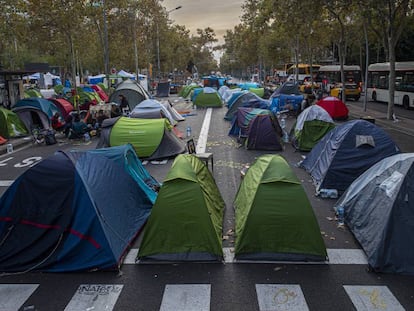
(275, 297)
(186, 297)
(13, 296)
(336, 257)
(372, 298)
(228, 253)
(95, 297)
(347, 257)
(6, 183)
(131, 256)
(202, 138)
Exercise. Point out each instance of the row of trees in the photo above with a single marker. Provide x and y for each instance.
(86, 36)
(275, 32)
(91, 36)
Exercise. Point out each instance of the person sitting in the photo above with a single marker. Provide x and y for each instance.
(78, 128)
(57, 123)
(124, 105)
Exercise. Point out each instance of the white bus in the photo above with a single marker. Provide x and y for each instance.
(304, 72)
(378, 82)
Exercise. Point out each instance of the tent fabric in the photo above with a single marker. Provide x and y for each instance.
(228, 93)
(152, 109)
(174, 113)
(186, 219)
(101, 92)
(163, 89)
(246, 100)
(337, 159)
(208, 97)
(379, 210)
(40, 103)
(286, 97)
(265, 133)
(33, 117)
(132, 90)
(126, 157)
(151, 138)
(2, 140)
(335, 107)
(10, 124)
(274, 218)
(186, 90)
(310, 126)
(257, 129)
(65, 107)
(71, 212)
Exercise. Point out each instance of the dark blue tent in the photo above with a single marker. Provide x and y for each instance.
(346, 152)
(72, 211)
(163, 89)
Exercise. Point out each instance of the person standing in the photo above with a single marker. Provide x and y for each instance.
(124, 103)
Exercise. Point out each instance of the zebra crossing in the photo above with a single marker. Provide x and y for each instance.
(197, 297)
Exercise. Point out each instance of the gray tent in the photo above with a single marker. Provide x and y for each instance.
(33, 117)
(152, 109)
(132, 90)
(379, 210)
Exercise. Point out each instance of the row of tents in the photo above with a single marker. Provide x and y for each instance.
(77, 227)
(359, 161)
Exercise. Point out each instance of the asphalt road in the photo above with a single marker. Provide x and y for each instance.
(347, 285)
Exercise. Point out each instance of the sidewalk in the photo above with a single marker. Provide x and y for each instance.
(356, 111)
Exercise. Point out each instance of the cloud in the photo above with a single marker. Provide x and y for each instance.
(220, 15)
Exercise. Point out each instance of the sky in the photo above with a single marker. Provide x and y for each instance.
(220, 15)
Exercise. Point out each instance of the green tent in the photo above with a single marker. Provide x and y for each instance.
(208, 97)
(32, 93)
(310, 127)
(186, 90)
(274, 218)
(259, 91)
(186, 219)
(10, 124)
(151, 138)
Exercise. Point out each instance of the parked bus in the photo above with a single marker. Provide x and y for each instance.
(378, 83)
(304, 72)
(330, 76)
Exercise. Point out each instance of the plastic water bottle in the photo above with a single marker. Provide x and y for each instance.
(328, 193)
(9, 148)
(340, 215)
(87, 137)
(188, 131)
(285, 137)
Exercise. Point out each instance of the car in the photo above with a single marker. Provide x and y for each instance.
(352, 91)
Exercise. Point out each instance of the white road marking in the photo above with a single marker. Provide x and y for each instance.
(95, 297)
(202, 138)
(13, 296)
(275, 297)
(336, 257)
(347, 257)
(6, 183)
(370, 298)
(186, 297)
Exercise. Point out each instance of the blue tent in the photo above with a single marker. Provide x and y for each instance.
(73, 211)
(286, 97)
(248, 99)
(40, 103)
(346, 152)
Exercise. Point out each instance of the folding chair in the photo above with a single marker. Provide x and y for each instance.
(205, 157)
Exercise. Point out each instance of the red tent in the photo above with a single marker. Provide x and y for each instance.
(2, 140)
(100, 92)
(335, 107)
(64, 106)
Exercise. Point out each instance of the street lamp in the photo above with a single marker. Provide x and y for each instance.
(158, 41)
